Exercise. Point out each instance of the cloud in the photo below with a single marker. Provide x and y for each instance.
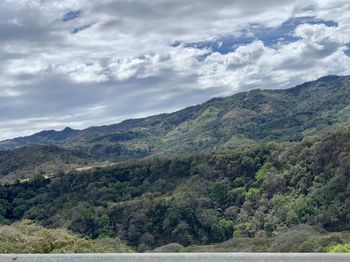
(81, 63)
(319, 51)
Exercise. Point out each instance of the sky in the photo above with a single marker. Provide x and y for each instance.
(87, 63)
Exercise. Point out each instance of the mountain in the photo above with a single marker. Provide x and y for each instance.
(219, 124)
(49, 137)
(264, 170)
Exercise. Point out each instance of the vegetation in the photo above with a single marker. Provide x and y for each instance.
(24, 163)
(301, 238)
(219, 124)
(258, 171)
(259, 191)
(27, 237)
(341, 248)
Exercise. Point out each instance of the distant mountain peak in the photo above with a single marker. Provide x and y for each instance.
(68, 129)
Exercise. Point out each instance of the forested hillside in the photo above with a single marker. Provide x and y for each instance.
(243, 173)
(26, 162)
(257, 191)
(220, 124)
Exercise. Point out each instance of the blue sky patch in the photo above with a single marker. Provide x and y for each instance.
(80, 28)
(270, 36)
(284, 33)
(71, 15)
(222, 45)
(347, 52)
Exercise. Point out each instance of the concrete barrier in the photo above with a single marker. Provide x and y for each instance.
(179, 257)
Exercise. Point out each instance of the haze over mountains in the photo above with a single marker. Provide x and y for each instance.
(219, 124)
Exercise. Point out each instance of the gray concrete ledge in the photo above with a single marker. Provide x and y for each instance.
(180, 257)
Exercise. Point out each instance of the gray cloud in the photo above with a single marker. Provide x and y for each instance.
(124, 64)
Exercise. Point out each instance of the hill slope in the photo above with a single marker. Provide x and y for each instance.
(264, 167)
(221, 123)
(259, 191)
(26, 162)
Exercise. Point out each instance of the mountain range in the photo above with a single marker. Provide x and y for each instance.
(220, 124)
(264, 170)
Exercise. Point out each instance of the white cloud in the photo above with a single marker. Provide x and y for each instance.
(127, 63)
(82, 72)
(318, 52)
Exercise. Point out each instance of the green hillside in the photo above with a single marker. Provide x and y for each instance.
(217, 125)
(265, 170)
(221, 123)
(257, 191)
(26, 162)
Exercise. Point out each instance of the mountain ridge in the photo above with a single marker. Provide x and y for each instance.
(217, 125)
(53, 137)
(256, 169)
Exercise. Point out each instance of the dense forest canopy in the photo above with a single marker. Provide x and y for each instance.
(257, 191)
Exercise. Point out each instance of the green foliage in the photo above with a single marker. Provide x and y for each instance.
(341, 248)
(261, 174)
(238, 182)
(227, 227)
(299, 239)
(27, 237)
(37, 160)
(219, 191)
(219, 124)
(295, 208)
(201, 199)
(252, 193)
(38, 180)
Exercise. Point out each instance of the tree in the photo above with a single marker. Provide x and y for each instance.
(219, 190)
(227, 227)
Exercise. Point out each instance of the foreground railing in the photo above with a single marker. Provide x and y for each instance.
(180, 257)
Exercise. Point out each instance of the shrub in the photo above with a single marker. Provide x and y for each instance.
(341, 248)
